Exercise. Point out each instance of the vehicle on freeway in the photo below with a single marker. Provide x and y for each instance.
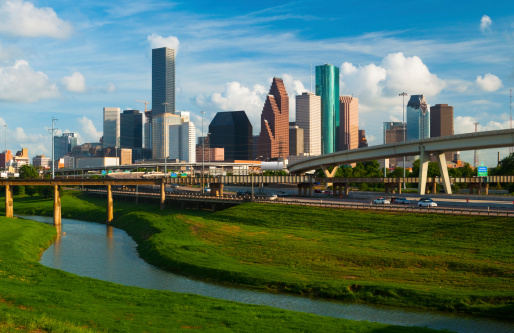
(381, 201)
(173, 185)
(271, 196)
(427, 202)
(402, 201)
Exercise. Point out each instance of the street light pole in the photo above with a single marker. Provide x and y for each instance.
(253, 196)
(165, 140)
(403, 94)
(203, 154)
(52, 131)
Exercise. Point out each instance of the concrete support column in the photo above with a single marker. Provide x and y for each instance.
(443, 170)
(162, 200)
(329, 174)
(57, 205)
(346, 188)
(434, 187)
(110, 208)
(311, 190)
(9, 208)
(299, 190)
(424, 158)
(399, 186)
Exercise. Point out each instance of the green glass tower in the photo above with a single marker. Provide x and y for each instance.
(327, 87)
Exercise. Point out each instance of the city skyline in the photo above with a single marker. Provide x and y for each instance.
(84, 57)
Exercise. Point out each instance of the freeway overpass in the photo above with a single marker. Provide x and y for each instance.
(436, 146)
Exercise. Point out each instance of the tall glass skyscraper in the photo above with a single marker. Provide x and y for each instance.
(111, 127)
(327, 86)
(163, 80)
(418, 118)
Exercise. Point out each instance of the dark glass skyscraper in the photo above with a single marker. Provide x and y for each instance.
(327, 87)
(64, 144)
(163, 80)
(131, 129)
(232, 130)
(418, 118)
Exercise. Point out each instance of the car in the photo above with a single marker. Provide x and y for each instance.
(426, 203)
(402, 201)
(207, 190)
(382, 201)
(271, 196)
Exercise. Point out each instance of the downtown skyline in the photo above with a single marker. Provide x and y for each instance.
(74, 60)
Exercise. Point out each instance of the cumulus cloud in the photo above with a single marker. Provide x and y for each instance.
(157, 41)
(89, 129)
(22, 18)
(485, 23)
(293, 88)
(238, 97)
(111, 87)
(20, 83)
(74, 83)
(489, 82)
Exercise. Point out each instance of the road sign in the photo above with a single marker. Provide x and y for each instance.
(173, 175)
(482, 171)
(183, 175)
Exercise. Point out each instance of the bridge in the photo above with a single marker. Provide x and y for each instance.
(436, 146)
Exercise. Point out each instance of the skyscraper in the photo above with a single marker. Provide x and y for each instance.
(349, 120)
(441, 123)
(163, 80)
(232, 130)
(64, 144)
(182, 139)
(111, 127)
(295, 139)
(418, 118)
(327, 86)
(308, 117)
(274, 136)
(160, 128)
(131, 129)
(394, 132)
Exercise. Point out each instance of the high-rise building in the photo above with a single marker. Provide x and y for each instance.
(131, 129)
(111, 127)
(308, 117)
(64, 144)
(418, 118)
(349, 123)
(441, 123)
(232, 130)
(160, 128)
(327, 86)
(363, 142)
(163, 81)
(148, 129)
(182, 139)
(274, 136)
(5, 157)
(295, 139)
(394, 132)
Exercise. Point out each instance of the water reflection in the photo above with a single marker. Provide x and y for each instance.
(85, 250)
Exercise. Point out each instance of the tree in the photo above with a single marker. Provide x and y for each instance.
(29, 172)
(506, 166)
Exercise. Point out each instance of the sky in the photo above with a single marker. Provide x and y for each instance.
(68, 60)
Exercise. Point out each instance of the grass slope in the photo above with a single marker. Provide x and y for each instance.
(34, 298)
(426, 261)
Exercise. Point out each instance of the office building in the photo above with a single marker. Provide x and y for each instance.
(327, 87)
(210, 154)
(349, 123)
(296, 140)
(363, 142)
(163, 81)
(111, 127)
(394, 132)
(441, 123)
(131, 129)
(64, 144)
(274, 136)
(308, 117)
(148, 130)
(232, 130)
(418, 118)
(41, 162)
(5, 157)
(160, 128)
(182, 139)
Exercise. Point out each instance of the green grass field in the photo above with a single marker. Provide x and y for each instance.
(450, 263)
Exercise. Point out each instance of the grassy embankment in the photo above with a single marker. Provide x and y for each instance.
(35, 298)
(425, 261)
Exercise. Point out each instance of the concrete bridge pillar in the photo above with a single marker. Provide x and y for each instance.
(57, 205)
(311, 190)
(299, 190)
(443, 170)
(162, 198)
(424, 159)
(110, 207)
(399, 186)
(346, 188)
(9, 208)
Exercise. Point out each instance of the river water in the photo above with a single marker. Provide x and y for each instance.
(107, 253)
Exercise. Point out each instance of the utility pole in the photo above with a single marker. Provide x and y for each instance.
(475, 159)
(403, 94)
(166, 139)
(52, 132)
(203, 154)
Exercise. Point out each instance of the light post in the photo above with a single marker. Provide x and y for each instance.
(165, 140)
(52, 131)
(403, 94)
(203, 154)
(253, 196)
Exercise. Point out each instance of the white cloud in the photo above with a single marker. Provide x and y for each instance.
(489, 82)
(87, 126)
(20, 83)
(157, 41)
(22, 18)
(485, 23)
(74, 83)
(293, 88)
(111, 87)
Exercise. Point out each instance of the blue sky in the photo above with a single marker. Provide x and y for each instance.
(70, 59)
